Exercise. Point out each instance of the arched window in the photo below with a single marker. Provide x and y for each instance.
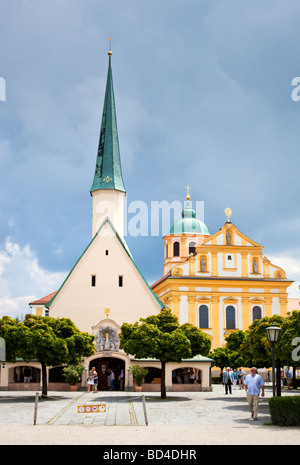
(203, 316)
(256, 313)
(230, 317)
(192, 247)
(176, 249)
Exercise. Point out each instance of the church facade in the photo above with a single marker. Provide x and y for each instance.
(105, 288)
(219, 282)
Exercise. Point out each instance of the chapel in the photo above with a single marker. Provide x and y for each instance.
(105, 288)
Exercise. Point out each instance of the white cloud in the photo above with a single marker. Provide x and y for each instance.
(291, 266)
(22, 279)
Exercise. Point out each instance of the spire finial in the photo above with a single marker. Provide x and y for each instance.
(188, 192)
(228, 212)
(110, 52)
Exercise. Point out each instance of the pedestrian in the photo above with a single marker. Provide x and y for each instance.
(288, 376)
(240, 375)
(228, 380)
(90, 381)
(122, 379)
(27, 374)
(234, 378)
(112, 380)
(253, 385)
(192, 376)
(95, 379)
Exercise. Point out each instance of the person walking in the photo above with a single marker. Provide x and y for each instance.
(234, 379)
(240, 375)
(253, 385)
(112, 380)
(122, 379)
(90, 381)
(228, 380)
(288, 375)
(95, 379)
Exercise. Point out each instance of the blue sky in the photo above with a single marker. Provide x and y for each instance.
(204, 97)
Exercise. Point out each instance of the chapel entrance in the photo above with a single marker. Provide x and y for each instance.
(103, 367)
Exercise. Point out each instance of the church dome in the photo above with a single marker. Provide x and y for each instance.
(189, 224)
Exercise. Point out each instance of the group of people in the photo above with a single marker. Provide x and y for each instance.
(185, 375)
(93, 380)
(232, 378)
(253, 384)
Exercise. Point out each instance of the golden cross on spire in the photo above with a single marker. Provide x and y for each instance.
(188, 192)
(109, 52)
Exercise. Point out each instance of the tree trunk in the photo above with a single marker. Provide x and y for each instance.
(294, 378)
(278, 378)
(163, 380)
(44, 380)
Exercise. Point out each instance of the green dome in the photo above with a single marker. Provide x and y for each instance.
(189, 224)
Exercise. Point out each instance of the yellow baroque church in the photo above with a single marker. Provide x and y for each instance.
(220, 282)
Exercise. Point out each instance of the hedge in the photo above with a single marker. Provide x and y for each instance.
(285, 411)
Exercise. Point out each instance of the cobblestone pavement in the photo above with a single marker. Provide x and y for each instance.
(177, 418)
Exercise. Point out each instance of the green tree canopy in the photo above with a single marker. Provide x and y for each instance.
(162, 338)
(50, 341)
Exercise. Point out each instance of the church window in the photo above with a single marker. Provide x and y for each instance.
(176, 249)
(106, 252)
(229, 257)
(47, 312)
(203, 316)
(230, 317)
(256, 313)
(120, 281)
(93, 281)
(192, 248)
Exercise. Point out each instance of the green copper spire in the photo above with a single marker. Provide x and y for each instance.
(108, 172)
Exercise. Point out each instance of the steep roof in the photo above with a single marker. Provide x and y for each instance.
(43, 300)
(108, 172)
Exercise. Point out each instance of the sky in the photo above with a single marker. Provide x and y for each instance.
(204, 98)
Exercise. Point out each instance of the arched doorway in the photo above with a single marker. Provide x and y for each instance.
(103, 367)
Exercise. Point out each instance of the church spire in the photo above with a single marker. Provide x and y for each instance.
(108, 172)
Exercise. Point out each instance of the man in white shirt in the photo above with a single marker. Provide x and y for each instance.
(253, 384)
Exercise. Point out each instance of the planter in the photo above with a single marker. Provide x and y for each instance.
(138, 388)
(74, 388)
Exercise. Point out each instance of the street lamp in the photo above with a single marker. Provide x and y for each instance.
(273, 335)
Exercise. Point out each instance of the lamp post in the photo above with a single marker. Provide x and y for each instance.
(273, 335)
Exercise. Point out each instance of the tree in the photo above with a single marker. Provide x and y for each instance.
(221, 357)
(50, 341)
(161, 337)
(257, 350)
(234, 342)
(290, 330)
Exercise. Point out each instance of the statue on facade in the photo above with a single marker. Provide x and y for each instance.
(107, 339)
